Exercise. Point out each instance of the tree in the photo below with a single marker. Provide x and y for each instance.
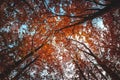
(56, 39)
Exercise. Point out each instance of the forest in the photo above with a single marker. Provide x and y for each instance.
(59, 39)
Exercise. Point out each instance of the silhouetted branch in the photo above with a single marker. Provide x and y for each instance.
(22, 70)
(100, 12)
(111, 73)
(98, 3)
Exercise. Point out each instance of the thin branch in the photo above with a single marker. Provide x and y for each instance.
(89, 17)
(21, 71)
(98, 3)
(93, 9)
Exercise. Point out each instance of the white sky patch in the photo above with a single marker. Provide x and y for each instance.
(5, 29)
(53, 9)
(98, 22)
(98, 6)
(69, 70)
(32, 73)
(23, 29)
(72, 19)
(44, 73)
(12, 45)
(70, 1)
(102, 1)
(62, 11)
(53, 75)
(13, 73)
(58, 18)
(104, 73)
(47, 2)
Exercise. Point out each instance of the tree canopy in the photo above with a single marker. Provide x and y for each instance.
(59, 40)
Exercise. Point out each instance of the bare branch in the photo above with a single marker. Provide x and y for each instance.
(98, 3)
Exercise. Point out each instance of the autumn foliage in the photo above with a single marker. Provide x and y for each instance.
(59, 40)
